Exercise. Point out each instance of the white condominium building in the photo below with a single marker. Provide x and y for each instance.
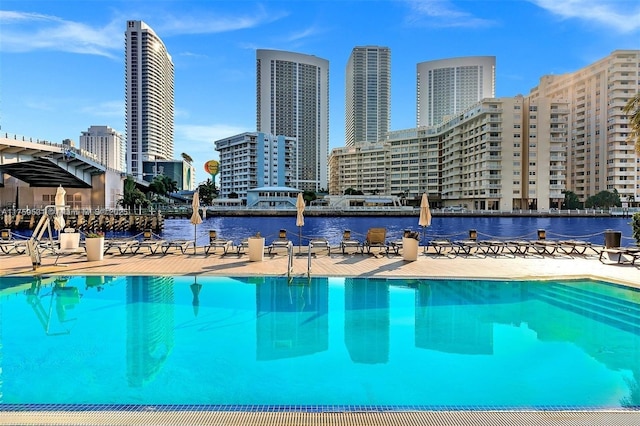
(149, 98)
(254, 160)
(500, 154)
(362, 167)
(106, 144)
(447, 86)
(367, 94)
(600, 156)
(293, 100)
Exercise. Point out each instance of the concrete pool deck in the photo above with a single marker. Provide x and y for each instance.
(429, 265)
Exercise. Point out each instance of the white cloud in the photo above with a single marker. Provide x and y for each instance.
(442, 13)
(211, 23)
(23, 32)
(619, 15)
(106, 109)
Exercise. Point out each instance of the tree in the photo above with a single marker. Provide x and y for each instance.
(131, 195)
(163, 185)
(571, 201)
(635, 226)
(632, 109)
(604, 200)
(208, 191)
(309, 196)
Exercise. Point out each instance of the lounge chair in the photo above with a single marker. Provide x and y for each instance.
(348, 242)
(120, 244)
(182, 245)
(216, 242)
(621, 255)
(376, 238)
(319, 244)
(149, 241)
(282, 242)
(9, 244)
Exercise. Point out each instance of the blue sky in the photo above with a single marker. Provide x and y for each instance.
(62, 61)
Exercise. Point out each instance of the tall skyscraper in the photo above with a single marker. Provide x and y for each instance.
(149, 98)
(368, 94)
(448, 86)
(293, 100)
(106, 144)
(600, 155)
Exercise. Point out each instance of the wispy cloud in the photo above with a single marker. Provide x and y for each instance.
(618, 15)
(23, 32)
(443, 13)
(105, 109)
(191, 134)
(211, 23)
(302, 34)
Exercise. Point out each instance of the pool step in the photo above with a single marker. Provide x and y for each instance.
(614, 311)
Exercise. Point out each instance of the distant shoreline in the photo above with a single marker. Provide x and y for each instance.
(390, 212)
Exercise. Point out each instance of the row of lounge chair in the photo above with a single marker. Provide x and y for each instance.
(374, 240)
(513, 247)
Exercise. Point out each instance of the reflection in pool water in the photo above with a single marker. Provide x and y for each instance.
(417, 343)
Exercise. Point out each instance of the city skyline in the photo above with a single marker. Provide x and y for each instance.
(62, 62)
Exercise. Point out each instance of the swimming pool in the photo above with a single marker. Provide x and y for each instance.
(324, 342)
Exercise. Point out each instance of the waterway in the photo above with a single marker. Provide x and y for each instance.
(236, 228)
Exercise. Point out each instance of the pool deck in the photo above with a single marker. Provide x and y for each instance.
(378, 264)
(428, 265)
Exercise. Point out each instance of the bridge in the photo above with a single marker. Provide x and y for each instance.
(46, 164)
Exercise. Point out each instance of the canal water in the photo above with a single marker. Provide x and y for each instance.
(236, 228)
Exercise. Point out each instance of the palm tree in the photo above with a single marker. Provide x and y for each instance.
(632, 109)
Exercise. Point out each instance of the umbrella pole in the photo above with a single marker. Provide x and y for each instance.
(299, 239)
(423, 240)
(195, 237)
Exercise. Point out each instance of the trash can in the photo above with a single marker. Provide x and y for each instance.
(612, 238)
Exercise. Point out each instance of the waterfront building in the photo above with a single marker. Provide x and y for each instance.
(362, 167)
(448, 86)
(106, 144)
(180, 171)
(367, 94)
(600, 155)
(293, 101)
(505, 154)
(499, 154)
(255, 159)
(149, 99)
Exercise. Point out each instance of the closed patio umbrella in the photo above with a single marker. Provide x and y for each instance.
(300, 218)
(58, 219)
(425, 215)
(196, 219)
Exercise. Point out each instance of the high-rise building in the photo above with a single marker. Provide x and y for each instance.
(367, 94)
(106, 144)
(447, 86)
(293, 101)
(600, 155)
(499, 154)
(148, 99)
(252, 160)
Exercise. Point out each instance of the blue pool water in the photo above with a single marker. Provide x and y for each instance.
(325, 342)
